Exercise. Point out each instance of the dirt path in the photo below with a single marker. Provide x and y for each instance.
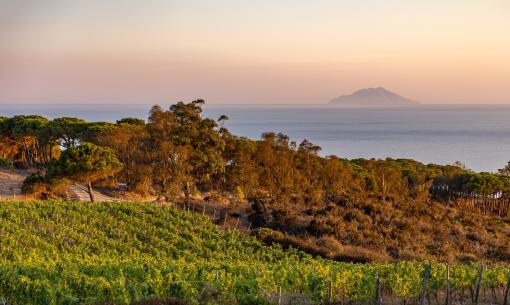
(11, 183)
(80, 193)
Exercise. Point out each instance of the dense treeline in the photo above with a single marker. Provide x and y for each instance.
(178, 153)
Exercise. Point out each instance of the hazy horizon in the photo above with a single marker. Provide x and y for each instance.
(207, 104)
(263, 52)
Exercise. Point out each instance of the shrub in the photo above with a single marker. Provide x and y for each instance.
(41, 187)
(6, 163)
(33, 184)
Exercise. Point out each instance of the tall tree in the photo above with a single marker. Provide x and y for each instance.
(169, 160)
(185, 148)
(129, 140)
(205, 140)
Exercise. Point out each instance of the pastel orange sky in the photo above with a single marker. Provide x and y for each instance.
(258, 52)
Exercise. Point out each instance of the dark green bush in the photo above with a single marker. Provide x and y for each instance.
(6, 163)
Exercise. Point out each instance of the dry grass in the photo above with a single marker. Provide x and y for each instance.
(368, 230)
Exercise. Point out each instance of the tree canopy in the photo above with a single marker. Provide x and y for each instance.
(86, 162)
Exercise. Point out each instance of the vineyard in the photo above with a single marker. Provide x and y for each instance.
(54, 252)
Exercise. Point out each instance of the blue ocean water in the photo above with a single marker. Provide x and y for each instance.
(479, 136)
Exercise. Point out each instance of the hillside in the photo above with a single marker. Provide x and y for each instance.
(368, 230)
(372, 97)
(349, 210)
(120, 252)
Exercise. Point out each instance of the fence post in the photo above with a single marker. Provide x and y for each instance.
(424, 284)
(280, 295)
(447, 301)
(507, 291)
(330, 292)
(377, 289)
(478, 282)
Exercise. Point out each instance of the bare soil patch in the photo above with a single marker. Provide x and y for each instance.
(11, 182)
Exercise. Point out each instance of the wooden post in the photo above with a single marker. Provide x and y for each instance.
(447, 300)
(203, 210)
(187, 192)
(478, 282)
(424, 284)
(249, 226)
(377, 289)
(384, 188)
(214, 215)
(280, 295)
(507, 291)
(237, 222)
(225, 221)
(330, 292)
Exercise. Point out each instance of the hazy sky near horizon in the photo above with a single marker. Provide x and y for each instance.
(265, 51)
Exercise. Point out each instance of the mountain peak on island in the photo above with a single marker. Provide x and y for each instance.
(372, 97)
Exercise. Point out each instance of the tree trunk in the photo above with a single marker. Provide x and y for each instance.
(187, 192)
(91, 192)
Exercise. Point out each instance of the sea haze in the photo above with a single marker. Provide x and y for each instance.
(479, 136)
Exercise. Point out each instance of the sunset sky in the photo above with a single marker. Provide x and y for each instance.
(257, 52)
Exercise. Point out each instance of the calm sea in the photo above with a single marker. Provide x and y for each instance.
(479, 136)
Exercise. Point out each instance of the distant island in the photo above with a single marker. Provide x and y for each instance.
(373, 97)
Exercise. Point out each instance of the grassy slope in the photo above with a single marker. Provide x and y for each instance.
(91, 253)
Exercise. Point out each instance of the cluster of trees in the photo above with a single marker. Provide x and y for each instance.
(178, 152)
(469, 184)
(32, 140)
